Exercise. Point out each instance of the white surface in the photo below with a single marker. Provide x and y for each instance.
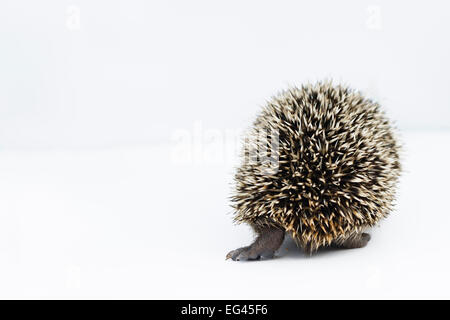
(93, 203)
(129, 223)
(85, 73)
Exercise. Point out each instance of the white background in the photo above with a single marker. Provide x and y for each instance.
(118, 133)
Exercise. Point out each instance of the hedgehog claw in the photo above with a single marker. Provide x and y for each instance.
(235, 253)
(248, 253)
(264, 247)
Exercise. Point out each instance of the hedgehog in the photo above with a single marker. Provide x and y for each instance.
(320, 163)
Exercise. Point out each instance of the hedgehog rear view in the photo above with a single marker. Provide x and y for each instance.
(336, 170)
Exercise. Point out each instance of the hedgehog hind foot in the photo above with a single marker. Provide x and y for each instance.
(359, 240)
(268, 241)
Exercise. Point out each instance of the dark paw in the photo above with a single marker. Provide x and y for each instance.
(359, 242)
(365, 238)
(235, 253)
(249, 253)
